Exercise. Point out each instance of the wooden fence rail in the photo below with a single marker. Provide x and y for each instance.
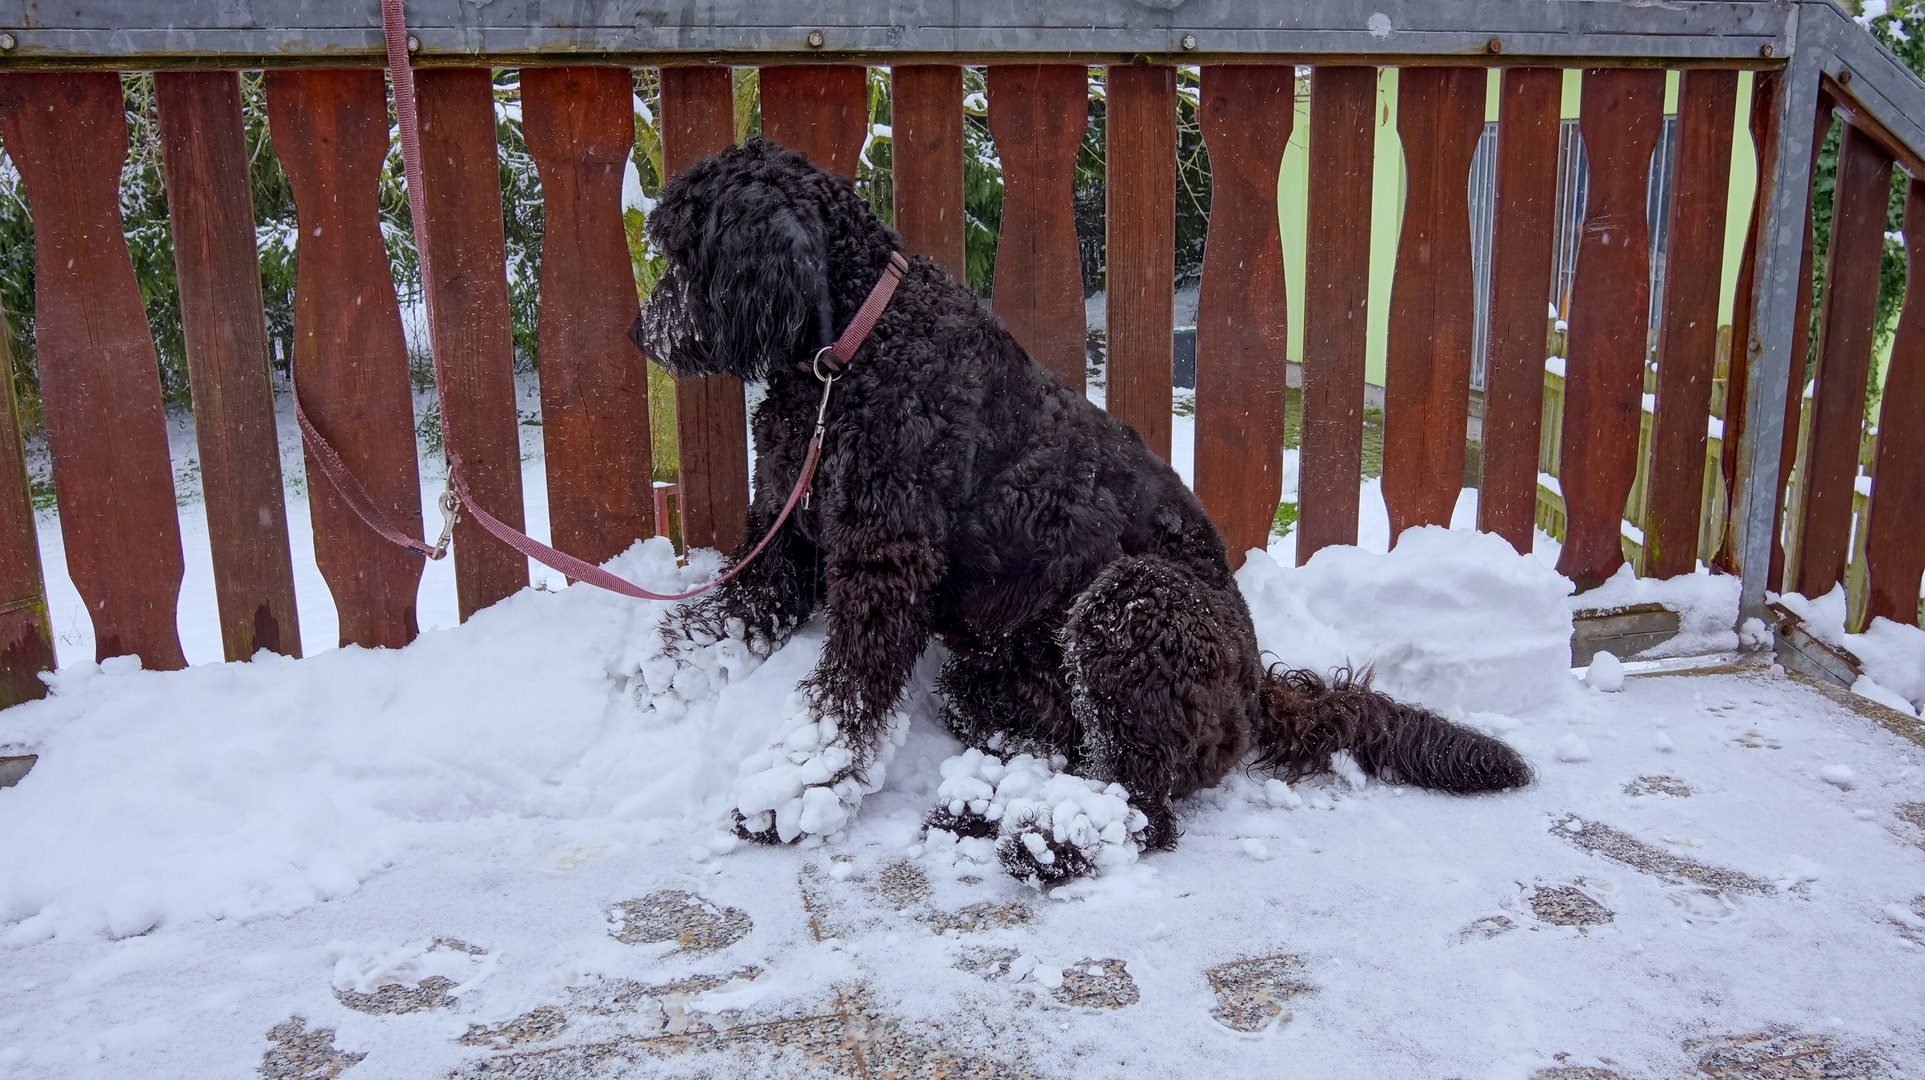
(64, 130)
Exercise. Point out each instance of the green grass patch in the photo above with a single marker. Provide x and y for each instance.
(1286, 518)
(1373, 443)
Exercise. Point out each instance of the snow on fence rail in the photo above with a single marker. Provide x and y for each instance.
(63, 124)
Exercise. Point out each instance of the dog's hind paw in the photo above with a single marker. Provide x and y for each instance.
(1030, 852)
(967, 824)
(1050, 826)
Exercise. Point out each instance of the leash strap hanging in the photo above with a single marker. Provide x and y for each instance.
(395, 31)
(830, 363)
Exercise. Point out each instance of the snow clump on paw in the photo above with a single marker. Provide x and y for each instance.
(687, 674)
(1049, 825)
(809, 783)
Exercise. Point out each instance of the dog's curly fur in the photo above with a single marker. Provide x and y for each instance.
(965, 493)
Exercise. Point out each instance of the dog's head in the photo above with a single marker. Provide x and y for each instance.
(757, 242)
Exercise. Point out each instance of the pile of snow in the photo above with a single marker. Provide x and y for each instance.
(1892, 654)
(233, 791)
(1454, 619)
(1706, 603)
(1606, 672)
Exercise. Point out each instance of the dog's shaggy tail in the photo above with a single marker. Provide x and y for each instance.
(1307, 718)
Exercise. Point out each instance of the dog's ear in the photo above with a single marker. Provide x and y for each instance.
(765, 283)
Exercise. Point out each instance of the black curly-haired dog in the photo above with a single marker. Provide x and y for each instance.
(966, 494)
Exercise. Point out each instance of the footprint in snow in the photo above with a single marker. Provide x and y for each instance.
(1568, 905)
(1783, 1053)
(1627, 850)
(1486, 928)
(1251, 994)
(1658, 785)
(411, 978)
(299, 1054)
(541, 1024)
(691, 922)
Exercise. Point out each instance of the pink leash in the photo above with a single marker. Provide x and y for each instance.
(835, 358)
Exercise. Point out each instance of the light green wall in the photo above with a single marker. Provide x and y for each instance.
(1387, 196)
(1293, 180)
(1386, 219)
(1386, 226)
(1744, 187)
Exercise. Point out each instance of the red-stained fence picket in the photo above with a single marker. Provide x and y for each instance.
(698, 119)
(99, 373)
(1343, 108)
(1523, 232)
(580, 125)
(204, 148)
(1038, 114)
(1440, 114)
(1246, 112)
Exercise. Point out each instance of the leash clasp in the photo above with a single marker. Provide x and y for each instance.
(450, 504)
(835, 369)
(821, 421)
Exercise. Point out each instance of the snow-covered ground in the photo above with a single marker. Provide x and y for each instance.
(482, 856)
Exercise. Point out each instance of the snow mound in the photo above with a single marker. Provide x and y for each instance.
(1893, 654)
(1455, 619)
(247, 790)
(1606, 672)
(1706, 603)
(237, 791)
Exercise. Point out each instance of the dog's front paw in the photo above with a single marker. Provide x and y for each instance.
(818, 810)
(1050, 825)
(695, 662)
(810, 783)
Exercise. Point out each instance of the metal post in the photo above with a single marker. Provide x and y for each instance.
(1776, 303)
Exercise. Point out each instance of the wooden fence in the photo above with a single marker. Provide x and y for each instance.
(62, 122)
